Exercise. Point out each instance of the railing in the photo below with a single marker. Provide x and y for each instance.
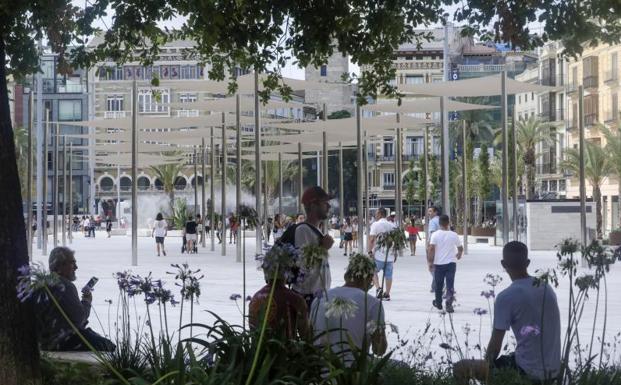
(389, 187)
(386, 158)
(408, 157)
(115, 114)
(611, 117)
(70, 88)
(552, 115)
(590, 119)
(590, 81)
(187, 113)
(611, 77)
(572, 87)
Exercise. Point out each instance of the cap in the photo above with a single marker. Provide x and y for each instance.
(314, 194)
(392, 214)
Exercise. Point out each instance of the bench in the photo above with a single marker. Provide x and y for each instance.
(72, 357)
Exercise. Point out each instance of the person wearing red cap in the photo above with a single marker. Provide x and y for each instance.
(316, 205)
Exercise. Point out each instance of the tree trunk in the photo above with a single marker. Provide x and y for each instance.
(618, 201)
(530, 180)
(19, 353)
(597, 197)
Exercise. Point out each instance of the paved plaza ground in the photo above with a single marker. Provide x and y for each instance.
(410, 308)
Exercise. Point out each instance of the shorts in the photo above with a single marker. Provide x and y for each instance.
(354, 236)
(190, 237)
(159, 240)
(386, 266)
(413, 237)
(348, 237)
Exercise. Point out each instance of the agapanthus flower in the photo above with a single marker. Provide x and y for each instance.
(248, 298)
(394, 240)
(32, 281)
(446, 346)
(283, 259)
(479, 311)
(393, 328)
(188, 281)
(360, 267)
(492, 280)
(586, 282)
(235, 297)
(340, 307)
(488, 294)
(313, 256)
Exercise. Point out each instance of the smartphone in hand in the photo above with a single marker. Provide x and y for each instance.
(90, 285)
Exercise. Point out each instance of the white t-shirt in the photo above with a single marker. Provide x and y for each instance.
(159, 228)
(353, 327)
(305, 235)
(379, 227)
(446, 243)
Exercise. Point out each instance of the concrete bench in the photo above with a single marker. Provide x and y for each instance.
(73, 357)
(118, 232)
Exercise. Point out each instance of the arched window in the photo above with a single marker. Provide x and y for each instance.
(126, 183)
(180, 183)
(143, 183)
(106, 183)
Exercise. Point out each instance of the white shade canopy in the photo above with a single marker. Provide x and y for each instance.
(423, 105)
(230, 104)
(485, 86)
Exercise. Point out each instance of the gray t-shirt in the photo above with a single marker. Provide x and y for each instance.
(533, 315)
(319, 278)
(355, 326)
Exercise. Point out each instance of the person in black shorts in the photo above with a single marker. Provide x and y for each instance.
(191, 235)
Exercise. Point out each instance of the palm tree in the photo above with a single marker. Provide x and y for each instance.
(531, 132)
(168, 173)
(613, 148)
(597, 166)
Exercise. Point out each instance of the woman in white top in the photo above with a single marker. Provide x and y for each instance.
(348, 237)
(279, 227)
(160, 229)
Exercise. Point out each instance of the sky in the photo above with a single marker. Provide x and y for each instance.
(290, 70)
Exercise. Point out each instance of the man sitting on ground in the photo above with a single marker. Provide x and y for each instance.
(531, 311)
(55, 332)
(348, 311)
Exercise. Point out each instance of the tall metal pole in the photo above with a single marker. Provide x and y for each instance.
(238, 169)
(583, 223)
(55, 187)
(63, 226)
(29, 177)
(464, 182)
(70, 186)
(341, 192)
(445, 140)
(118, 191)
(212, 196)
(257, 162)
(324, 168)
(134, 174)
(203, 213)
(45, 165)
(426, 165)
(359, 183)
(195, 183)
(280, 182)
(505, 156)
(300, 178)
(399, 185)
(516, 235)
(41, 152)
(367, 188)
(224, 167)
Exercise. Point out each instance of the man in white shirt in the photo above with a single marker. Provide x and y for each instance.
(433, 226)
(445, 248)
(383, 261)
(345, 329)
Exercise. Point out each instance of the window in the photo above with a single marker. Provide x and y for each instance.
(574, 76)
(114, 103)
(414, 79)
(525, 98)
(388, 147)
(188, 72)
(615, 107)
(553, 185)
(153, 100)
(69, 110)
(129, 72)
(544, 185)
(414, 145)
(562, 185)
(174, 72)
(48, 69)
(519, 99)
(186, 97)
(614, 64)
(389, 179)
(323, 71)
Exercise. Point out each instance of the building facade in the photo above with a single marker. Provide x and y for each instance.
(597, 70)
(65, 97)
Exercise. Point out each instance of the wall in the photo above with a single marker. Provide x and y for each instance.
(546, 228)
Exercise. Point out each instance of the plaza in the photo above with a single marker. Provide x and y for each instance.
(409, 309)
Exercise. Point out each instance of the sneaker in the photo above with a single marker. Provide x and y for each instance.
(379, 293)
(345, 254)
(449, 307)
(386, 297)
(436, 305)
(164, 253)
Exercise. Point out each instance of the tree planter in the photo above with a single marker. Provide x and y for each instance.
(615, 237)
(483, 231)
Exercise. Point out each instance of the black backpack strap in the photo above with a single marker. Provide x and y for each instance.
(315, 230)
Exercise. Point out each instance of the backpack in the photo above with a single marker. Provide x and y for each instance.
(289, 235)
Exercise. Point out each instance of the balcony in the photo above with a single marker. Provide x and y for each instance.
(590, 119)
(611, 117)
(115, 114)
(546, 168)
(572, 87)
(552, 115)
(590, 82)
(611, 78)
(71, 88)
(389, 187)
(409, 157)
(386, 158)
